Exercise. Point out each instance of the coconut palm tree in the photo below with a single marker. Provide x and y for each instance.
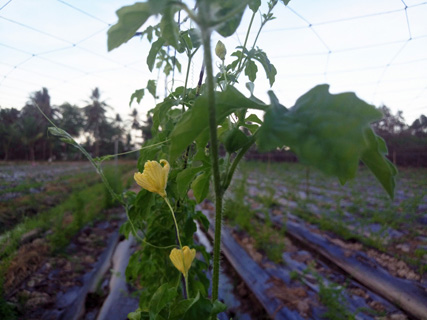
(95, 113)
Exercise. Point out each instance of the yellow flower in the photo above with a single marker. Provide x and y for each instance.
(154, 177)
(182, 259)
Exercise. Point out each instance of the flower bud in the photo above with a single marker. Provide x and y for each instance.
(220, 50)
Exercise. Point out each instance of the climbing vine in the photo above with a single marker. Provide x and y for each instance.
(190, 126)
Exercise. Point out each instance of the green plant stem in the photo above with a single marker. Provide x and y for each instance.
(236, 161)
(206, 38)
(246, 38)
(174, 220)
(190, 57)
(187, 288)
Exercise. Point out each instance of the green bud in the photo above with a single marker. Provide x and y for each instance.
(220, 50)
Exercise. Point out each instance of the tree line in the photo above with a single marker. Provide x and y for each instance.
(24, 134)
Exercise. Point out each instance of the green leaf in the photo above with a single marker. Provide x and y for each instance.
(374, 158)
(234, 140)
(200, 186)
(184, 178)
(324, 130)
(195, 121)
(164, 295)
(155, 48)
(254, 118)
(201, 309)
(158, 6)
(203, 219)
(254, 5)
(269, 68)
(136, 315)
(144, 202)
(131, 18)
(138, 95)
(160, 112)
(285, 2)
(251, 70)
(195, 37)
(151, 87)
(182, 307)
(223, 8)
(168, 27)
(218, 307)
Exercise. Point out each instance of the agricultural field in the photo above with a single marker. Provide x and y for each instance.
(326, 250)
(296, 244)
(44, 209)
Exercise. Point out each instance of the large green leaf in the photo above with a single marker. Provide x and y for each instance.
(131, 18)
(324, 130)
(164, 295)
(182, 307)
(195, 121)
(374, 158)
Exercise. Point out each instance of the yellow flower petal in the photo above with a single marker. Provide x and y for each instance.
(182, 259)
(154, 177)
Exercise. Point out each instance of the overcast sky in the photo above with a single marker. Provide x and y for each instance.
(376, 48)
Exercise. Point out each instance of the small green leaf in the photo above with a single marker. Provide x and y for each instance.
(218, 307)
(269, 68)
(230, 26)
(324, 130)
(254, 5)
(200, 186)
(374, 158)
(251, 70)
(131, 18)
(234, 140)
(160, 113)
(169, 28)
(136, 315)
(164, 295)
(151, 87)
(203, 219)
(155, 48)
(285, 2)
(138, 95)
(254, 118)
(184, 178)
